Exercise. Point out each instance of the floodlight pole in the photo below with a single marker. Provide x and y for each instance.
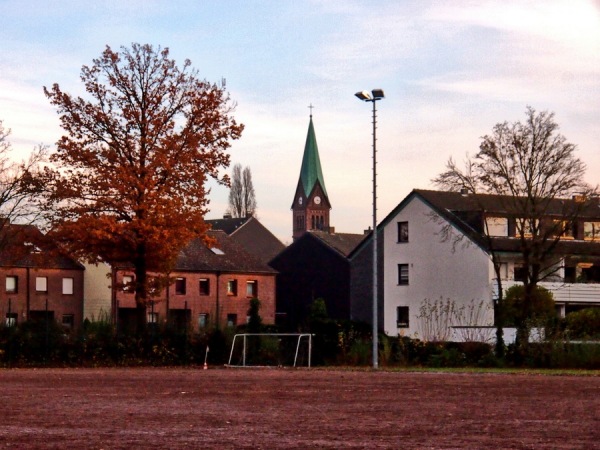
(377, 94)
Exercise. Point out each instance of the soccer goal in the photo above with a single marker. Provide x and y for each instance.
(271, 349)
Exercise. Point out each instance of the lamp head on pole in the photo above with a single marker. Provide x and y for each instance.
(363, 95)
(376, 94)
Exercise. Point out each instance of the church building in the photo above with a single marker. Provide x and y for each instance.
(311, 205)
(316, 265)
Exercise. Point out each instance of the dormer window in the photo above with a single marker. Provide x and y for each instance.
(591, 231)
(32, 248)
(496, 226)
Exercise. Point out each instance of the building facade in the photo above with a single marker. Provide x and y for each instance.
(39, 281)
(211, 285)
(438, 246)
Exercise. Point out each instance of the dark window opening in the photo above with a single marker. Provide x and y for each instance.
(204, 286)
(402, 316)
(180, 286)
(402, 231)
(231, 320)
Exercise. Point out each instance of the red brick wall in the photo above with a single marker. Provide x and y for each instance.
(207, 304)
(27, 299)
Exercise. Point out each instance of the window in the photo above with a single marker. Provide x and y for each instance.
(128, 283)
(402, 231)
(180, 286)
(232, 287)
(563, 229)
(41, 284)
(251, 289)
(67, 288)
(11, 319)
(231, 320)
(520, 272)
(68, 320)
(528, 227)
(402, 274)
(496, 226)
(591, 231)
(402, 316)
(32, 247)
(503, 270)
(152, 318)
(202, 320)
(12, 284)
(204, 286)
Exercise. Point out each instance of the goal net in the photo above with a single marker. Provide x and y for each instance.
(271, 349)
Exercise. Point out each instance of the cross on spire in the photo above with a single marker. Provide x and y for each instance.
(311, 108)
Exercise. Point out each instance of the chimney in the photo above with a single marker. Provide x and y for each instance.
(464, 192)
(227, 216)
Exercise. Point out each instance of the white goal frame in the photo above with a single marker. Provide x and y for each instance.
(243, 337)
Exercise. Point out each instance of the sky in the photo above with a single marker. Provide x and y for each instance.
(450, 71)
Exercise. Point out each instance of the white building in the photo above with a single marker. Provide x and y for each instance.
(436, 251)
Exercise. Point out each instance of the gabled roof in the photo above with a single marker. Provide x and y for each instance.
(455, 206)
(343, 243)
(27, 246)
(225, 255)
(505, 205)
(340, 244)
(310, 172)
(228, 224)
(251, 234)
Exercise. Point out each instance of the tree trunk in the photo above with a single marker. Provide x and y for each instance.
(140, 290)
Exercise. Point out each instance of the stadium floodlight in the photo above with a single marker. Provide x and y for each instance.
(376, 94)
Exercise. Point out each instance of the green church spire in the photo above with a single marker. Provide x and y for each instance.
(311, 171)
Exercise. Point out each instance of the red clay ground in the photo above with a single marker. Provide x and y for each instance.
(295, 409)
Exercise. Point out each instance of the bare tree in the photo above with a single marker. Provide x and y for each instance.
(533, 169)
(19, 185)
(242, 200)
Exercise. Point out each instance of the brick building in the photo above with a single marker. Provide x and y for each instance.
(210, 286)
(39, 281)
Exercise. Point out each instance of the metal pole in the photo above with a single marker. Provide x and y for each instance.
(375, 327)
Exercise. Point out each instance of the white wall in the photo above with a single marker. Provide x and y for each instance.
(436, 269)
(96, 291)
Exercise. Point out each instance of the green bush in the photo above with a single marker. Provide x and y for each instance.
(517, 311)
(584, 324)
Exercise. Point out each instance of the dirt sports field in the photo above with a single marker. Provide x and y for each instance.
(295, 409)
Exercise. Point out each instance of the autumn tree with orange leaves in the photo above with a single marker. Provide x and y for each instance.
(129, 184)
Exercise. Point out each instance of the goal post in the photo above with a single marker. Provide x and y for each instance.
(270, 349)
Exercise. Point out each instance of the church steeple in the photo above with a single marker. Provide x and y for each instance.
(311, 203)
(311, 172)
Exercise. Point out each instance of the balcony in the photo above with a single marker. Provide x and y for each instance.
(580, 294)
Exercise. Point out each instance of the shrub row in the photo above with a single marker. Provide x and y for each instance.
(334, 343)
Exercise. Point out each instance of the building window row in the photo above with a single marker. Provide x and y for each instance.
(505, 227)
(181, 286)
(41, 285)
(68, 320)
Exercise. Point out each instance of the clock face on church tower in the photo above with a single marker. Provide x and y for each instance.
(317, 200)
